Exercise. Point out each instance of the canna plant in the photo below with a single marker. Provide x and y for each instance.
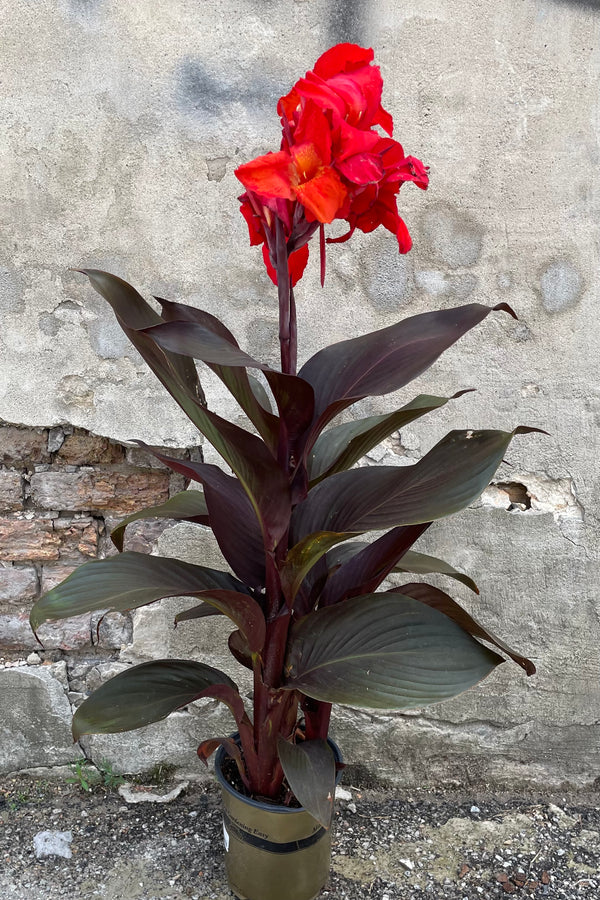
(302, 586)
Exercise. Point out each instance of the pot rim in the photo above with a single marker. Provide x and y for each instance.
(261, 804)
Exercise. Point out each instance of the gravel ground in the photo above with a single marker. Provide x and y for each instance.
(388, 845)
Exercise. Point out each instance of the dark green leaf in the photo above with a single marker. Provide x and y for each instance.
(232, 517)
(384, 651)
(248, 392)
(134, 313)
(310, 770)
(385, 360)
(202, 611)
(437, 599)
(239, 649)
(261, 477)
(450, 477)
(144, 694)
(340, 447)
(186, 506)
(192, 339)
(127, 581)
(241, 609)
(363, 571)
(422, 564)
(303, 556)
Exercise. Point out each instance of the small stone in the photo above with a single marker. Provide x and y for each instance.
(475, 810)
(56, 437)
(142, 795)
(545, 879)
(407, 864)
(342, 794)
(52, 843)
(352, 807)
(463, 870)
(34, 660)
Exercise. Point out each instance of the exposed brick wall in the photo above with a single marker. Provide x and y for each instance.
(62, 490)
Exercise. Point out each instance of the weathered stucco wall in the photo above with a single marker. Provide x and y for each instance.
(121, 126)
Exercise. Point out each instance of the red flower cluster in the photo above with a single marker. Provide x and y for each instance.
(333, 164)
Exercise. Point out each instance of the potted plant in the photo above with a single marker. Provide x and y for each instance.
(302, 587)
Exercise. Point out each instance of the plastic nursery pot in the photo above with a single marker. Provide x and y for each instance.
(272, 852)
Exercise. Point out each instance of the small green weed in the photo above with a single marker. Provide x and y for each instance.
(87, 775)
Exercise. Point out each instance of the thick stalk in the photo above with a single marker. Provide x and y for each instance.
(316, 718)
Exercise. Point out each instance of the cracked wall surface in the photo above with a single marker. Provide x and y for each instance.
(121, 127)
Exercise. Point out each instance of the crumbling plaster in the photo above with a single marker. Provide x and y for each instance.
(121, 126)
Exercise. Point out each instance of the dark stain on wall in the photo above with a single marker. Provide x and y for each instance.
(203, 92)
(346, 21)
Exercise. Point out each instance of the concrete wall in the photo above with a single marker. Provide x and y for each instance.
(121, 126)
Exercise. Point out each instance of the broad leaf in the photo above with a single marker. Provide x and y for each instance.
(310, 770)
(302, 557)
(145, 694)
(437, 599)
(295, 401)
(340, 447)
(269, 493)
(384, 651)
(202, 611)
(232, 517)
(385, 360)
(242, 609)
(186, 506)
(208, 747)
(125, 582)
(239, 649)
(251, 460)
(450, 477)
(134, 313)
(409, 561)
(363, 571)
(192, 339)
(423, 564)
(248, 392)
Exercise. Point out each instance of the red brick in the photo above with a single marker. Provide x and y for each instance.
(23, 447)
(11, 491)
(78, 537)
(28, 539)
(44, 539)
(18, 584)
(83, 448)
(120, 490)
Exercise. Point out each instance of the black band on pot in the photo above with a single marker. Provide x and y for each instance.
(270, 846)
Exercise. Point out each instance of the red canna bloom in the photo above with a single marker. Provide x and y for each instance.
(343, 81)
(333, 163)
(302, 172)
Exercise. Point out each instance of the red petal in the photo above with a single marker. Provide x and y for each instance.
(268, 175)
(382, 117)
(349, 140)
(314, 88)
(296, 264)
(322, 196)
(255, 227)
(364, 168)
(342, 58)
(404, 238)
(314, 128)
